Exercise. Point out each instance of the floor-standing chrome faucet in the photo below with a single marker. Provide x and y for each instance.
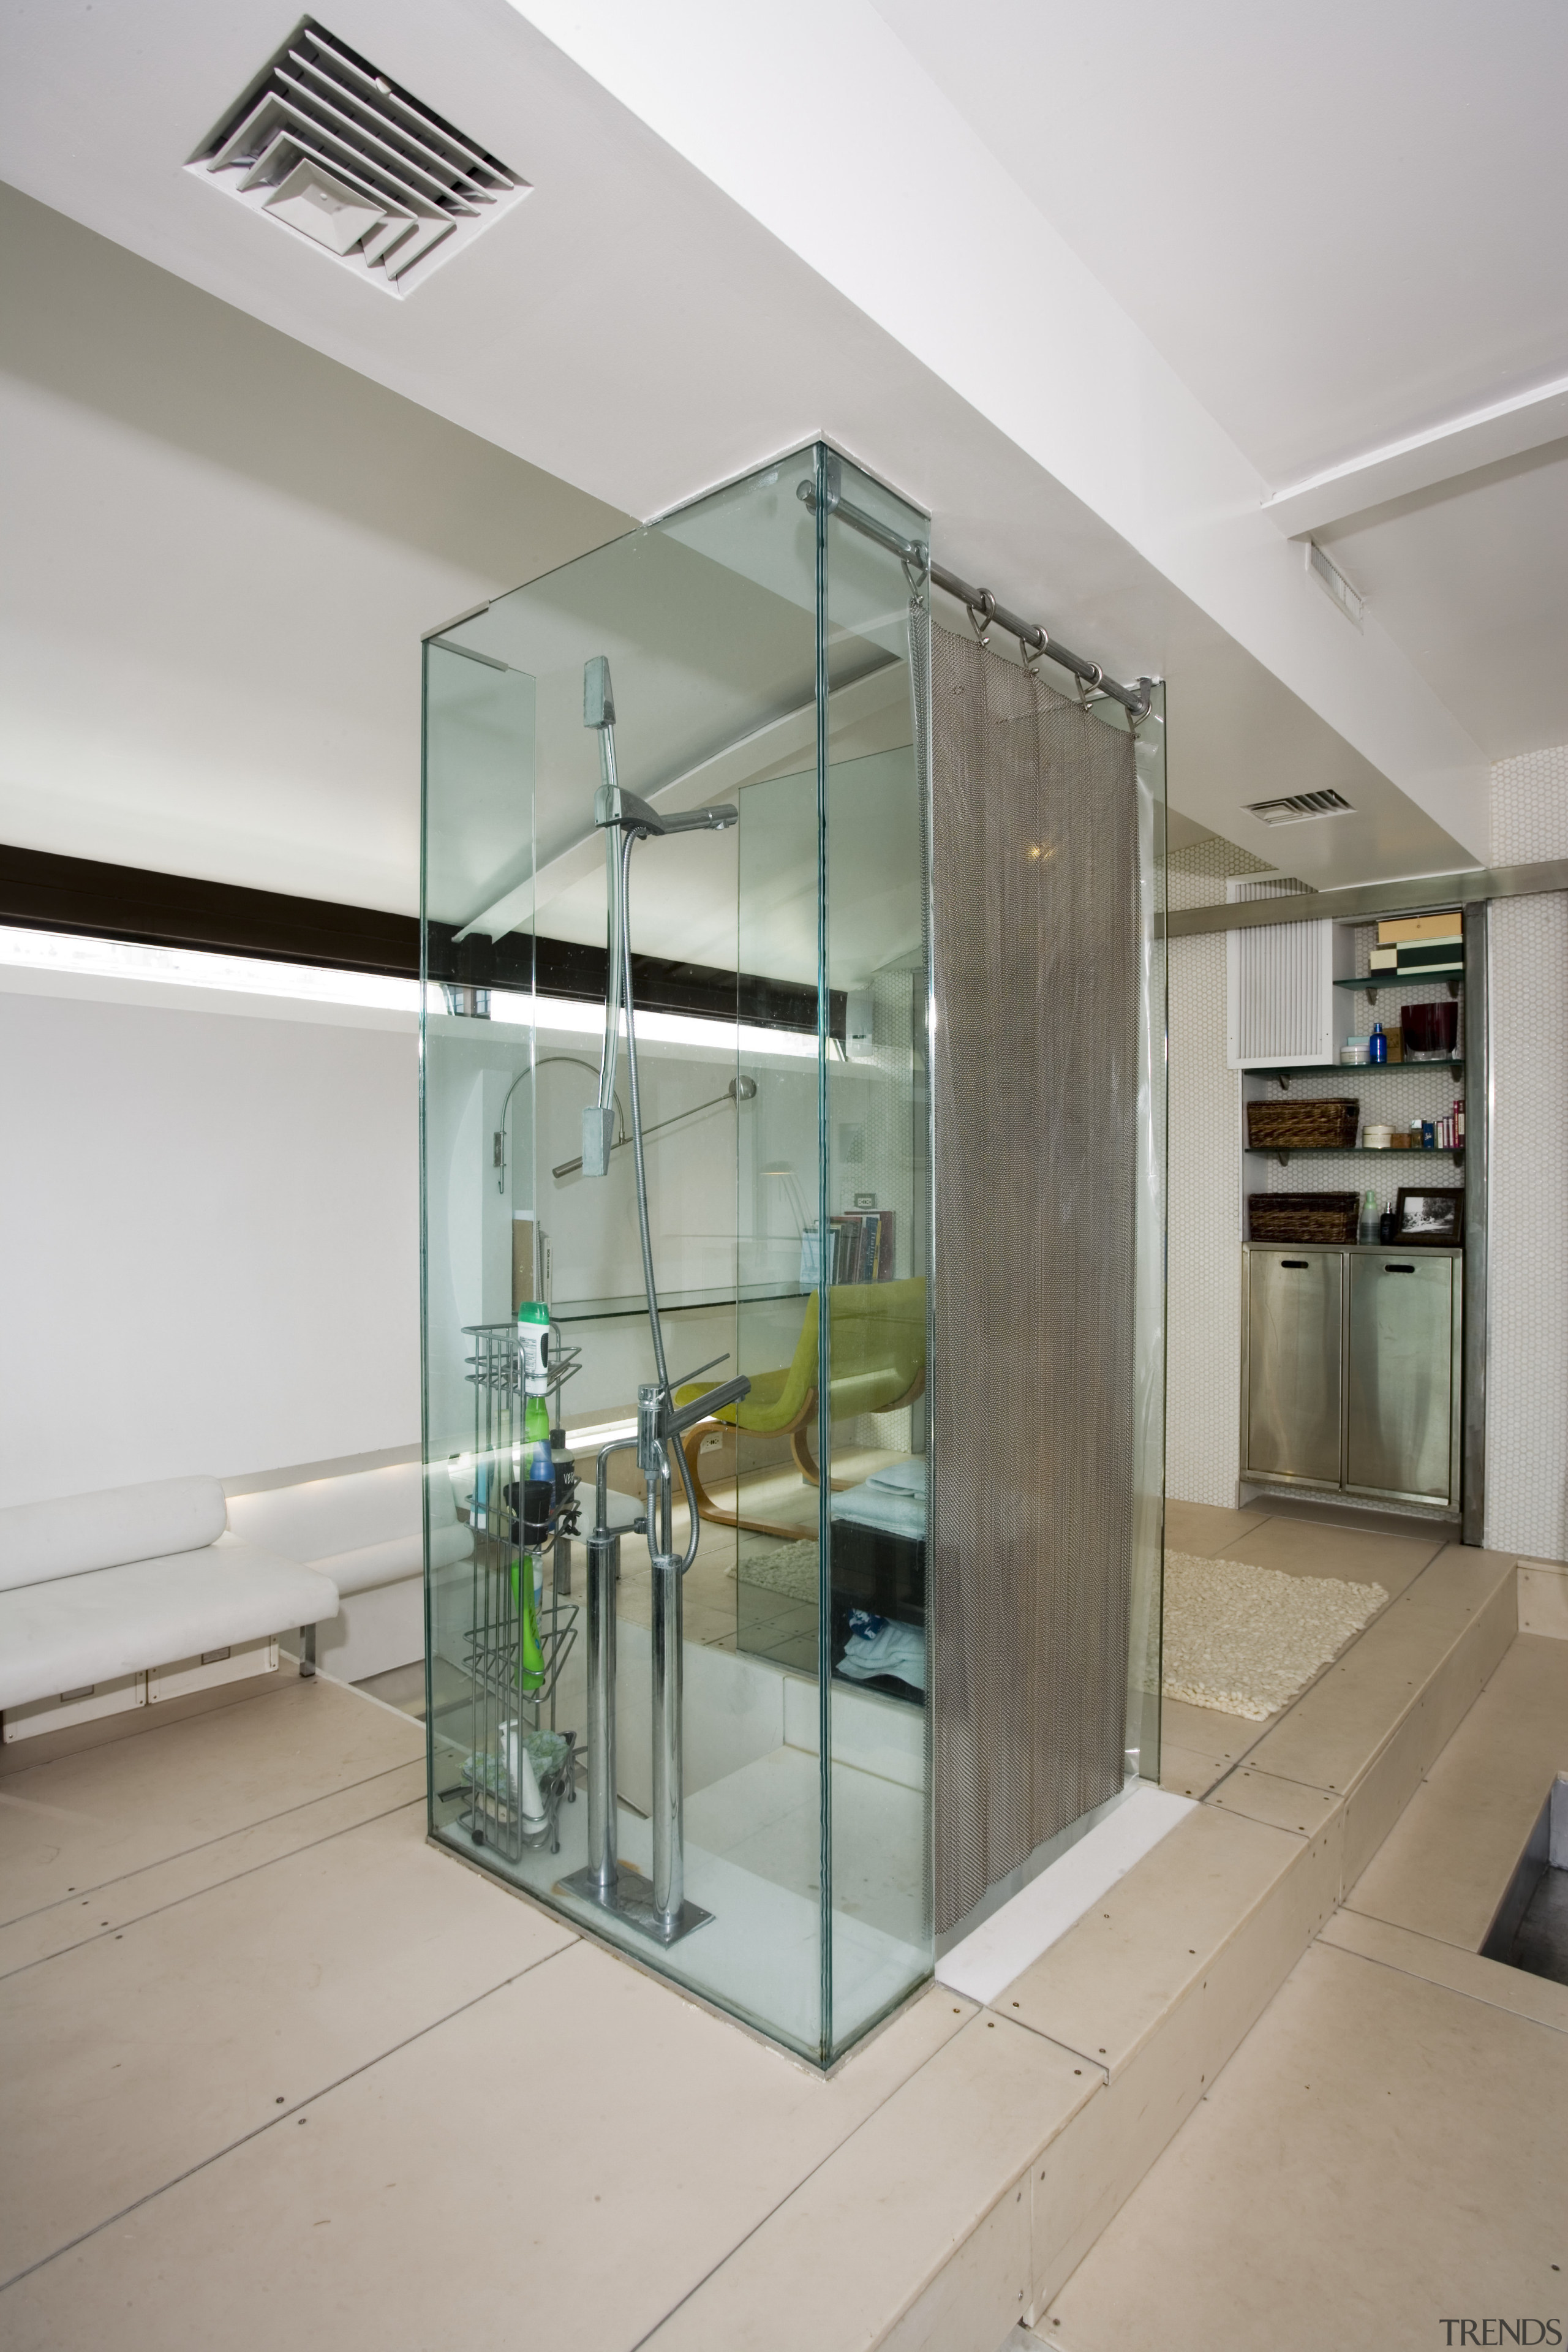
(659, 1907)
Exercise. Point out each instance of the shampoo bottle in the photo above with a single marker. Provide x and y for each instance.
(538, 1501)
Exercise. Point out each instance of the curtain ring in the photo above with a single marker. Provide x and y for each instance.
(1084, 685)
(1034, 649)
(985, 606)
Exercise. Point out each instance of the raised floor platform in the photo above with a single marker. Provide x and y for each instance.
(277, 2072)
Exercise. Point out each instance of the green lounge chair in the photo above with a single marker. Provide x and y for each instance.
(878, 1337)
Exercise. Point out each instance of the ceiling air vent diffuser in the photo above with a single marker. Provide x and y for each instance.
(1296, 807)
(331, 149)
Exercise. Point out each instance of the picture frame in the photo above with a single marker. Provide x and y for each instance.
(1431, 1216)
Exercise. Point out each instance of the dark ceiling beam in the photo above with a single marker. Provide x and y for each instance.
(45, 892)
(42, 891)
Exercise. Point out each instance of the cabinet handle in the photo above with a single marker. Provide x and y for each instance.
(1399, 1269)
(1295, 1265)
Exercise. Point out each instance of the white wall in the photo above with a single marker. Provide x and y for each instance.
(1203, 1412)
(211, 1222)
(1527, 1375)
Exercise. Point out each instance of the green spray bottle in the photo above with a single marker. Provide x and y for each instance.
(537, 1494)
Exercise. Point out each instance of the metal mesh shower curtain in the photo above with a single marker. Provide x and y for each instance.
(1035, 1094)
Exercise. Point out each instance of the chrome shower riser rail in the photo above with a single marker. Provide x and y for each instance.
(657, 1907)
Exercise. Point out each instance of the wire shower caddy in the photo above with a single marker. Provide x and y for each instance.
(512, 1712)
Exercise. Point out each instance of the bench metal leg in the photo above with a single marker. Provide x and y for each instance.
(306, 1652)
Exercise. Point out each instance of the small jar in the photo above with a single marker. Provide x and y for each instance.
(1377, 1138)
(1356, 1053)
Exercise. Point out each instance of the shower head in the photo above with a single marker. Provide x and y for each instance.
(625, 809)
(598, 694)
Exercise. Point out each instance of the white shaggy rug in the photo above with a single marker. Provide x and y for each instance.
(1245, 1641)
(787, 1567)
(1236, 1639)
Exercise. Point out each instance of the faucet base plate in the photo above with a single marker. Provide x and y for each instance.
(631, 1899)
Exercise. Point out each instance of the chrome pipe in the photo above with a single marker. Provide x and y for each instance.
(668, 1807)
(604, 1567)
(979, 602)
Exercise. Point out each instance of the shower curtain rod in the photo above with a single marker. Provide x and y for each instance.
(982, 606)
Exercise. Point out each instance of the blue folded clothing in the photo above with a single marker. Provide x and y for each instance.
(877, 1646)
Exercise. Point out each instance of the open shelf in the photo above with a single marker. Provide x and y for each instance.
(1372, 984)
(1284, 1152)
(1285, 1071)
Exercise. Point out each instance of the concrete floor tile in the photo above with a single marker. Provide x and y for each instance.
(1331, 1735)
(1543, 1600)
(87, 1819)
(1205, 1731)
(80, 1919)
(1446, 1864)
(1203, 1528)
(558, 2164)
(1186, 1775)
(1437, 1963)
(1283, 1804)
(1380, 2154)
(1303, 1548)
(947, 2152)
(150, 2050)
(1109, 1983)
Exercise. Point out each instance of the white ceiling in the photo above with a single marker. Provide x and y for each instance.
(222, 552)
(628, 327)
(1341, 226)
(1471, 577)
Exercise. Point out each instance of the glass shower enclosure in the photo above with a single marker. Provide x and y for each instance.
(763, 656)
(687, 1686)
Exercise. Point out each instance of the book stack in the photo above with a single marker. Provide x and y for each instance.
(863, 1245)
(1420, 946)
(1450, 1135)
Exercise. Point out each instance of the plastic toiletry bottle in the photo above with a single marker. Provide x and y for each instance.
(533, 1345)
(538, 1503)
(1377, 1043)
(1370, 1220)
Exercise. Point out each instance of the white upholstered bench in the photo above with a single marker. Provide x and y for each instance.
(365, 1531)
(137, 1594)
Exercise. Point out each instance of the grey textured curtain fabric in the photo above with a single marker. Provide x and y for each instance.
(1034, 1088)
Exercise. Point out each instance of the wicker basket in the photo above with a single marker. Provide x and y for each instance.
(1318, 1123)
(1328, 1217)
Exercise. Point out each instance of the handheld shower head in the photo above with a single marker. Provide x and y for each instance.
(598, 694)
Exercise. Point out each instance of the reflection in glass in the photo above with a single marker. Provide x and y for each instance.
(784, 1127)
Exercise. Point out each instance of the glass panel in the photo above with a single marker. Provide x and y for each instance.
(874, 1211)
(710, 625)
(1148, 1562)
(476, 1198)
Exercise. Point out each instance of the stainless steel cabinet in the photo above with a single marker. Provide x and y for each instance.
(1350, 1375)
(1401, 1375)
(1295, 1303)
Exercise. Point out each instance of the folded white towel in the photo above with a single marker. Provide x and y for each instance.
(895, 1514)
(907, 1478)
